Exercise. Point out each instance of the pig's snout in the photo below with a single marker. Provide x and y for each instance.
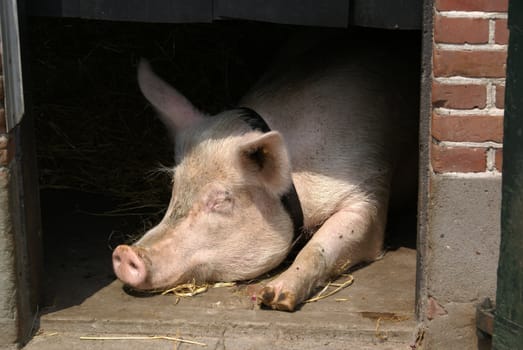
(128, 266)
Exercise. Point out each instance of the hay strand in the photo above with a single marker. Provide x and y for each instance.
(191, 289)
(151, 337)
(378, 333)
(338, 286)
(187, 290)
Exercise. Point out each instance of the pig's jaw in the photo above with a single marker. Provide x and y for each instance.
(136, 268)
(209, 266)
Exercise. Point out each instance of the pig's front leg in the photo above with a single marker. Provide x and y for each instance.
(350, 236)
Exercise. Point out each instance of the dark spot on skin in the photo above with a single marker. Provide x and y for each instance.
(282, 297)
(297, 268)
(340, 236)
(286, 301)
(352, 231)
(268, 296)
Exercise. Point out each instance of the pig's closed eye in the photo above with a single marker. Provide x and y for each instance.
(220, 202)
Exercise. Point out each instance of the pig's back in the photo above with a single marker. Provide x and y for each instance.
(337, 113)
(343, 119)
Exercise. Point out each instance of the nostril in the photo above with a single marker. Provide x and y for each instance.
(129, 266)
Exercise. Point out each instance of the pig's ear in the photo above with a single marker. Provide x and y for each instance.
(266, 158)
(175, 110)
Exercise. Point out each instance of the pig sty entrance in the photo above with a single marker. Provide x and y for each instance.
(99, 146)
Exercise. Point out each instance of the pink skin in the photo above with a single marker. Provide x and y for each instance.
(226, 222)
(166, 257)
(326, 255)
(129, 266)
(209, 243)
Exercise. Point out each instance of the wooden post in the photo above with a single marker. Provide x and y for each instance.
(508, 326)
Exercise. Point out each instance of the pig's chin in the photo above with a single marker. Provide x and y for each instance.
(201, 275)
(247, 269)
(155, 286)
(158, 282)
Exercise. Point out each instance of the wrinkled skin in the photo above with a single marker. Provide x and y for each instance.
(210, 203)
(338, 129)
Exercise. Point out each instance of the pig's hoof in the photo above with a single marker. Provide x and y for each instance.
(285, 301)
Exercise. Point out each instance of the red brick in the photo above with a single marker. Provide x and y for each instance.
(501, 31)
(469, 63)
(498, 159)
(461, 30)
(459, 96)
(458, 159)
(500, 96)
(472, 5)
(479, 128)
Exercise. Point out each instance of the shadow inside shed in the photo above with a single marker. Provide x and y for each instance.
(99, 150)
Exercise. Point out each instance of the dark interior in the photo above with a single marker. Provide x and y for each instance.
(100, 146)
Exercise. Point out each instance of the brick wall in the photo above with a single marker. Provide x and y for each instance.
(459, 222)
(469, 60)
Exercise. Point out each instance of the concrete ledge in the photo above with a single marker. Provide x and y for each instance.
(9, 333)
(463, 237)
(53, 341)
(455, 329)
(461, 256)
(376, 312)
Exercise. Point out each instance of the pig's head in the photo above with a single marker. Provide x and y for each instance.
(225, 220)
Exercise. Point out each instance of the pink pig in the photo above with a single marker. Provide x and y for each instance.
(340, 123)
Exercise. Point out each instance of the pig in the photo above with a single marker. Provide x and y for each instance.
(311, 152)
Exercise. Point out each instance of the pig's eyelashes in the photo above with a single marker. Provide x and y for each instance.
(219, 201)
(222, 205)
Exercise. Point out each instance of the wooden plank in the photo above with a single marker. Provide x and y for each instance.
(333, 13)
(164, 11)
(508, 326)
(397, 14)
